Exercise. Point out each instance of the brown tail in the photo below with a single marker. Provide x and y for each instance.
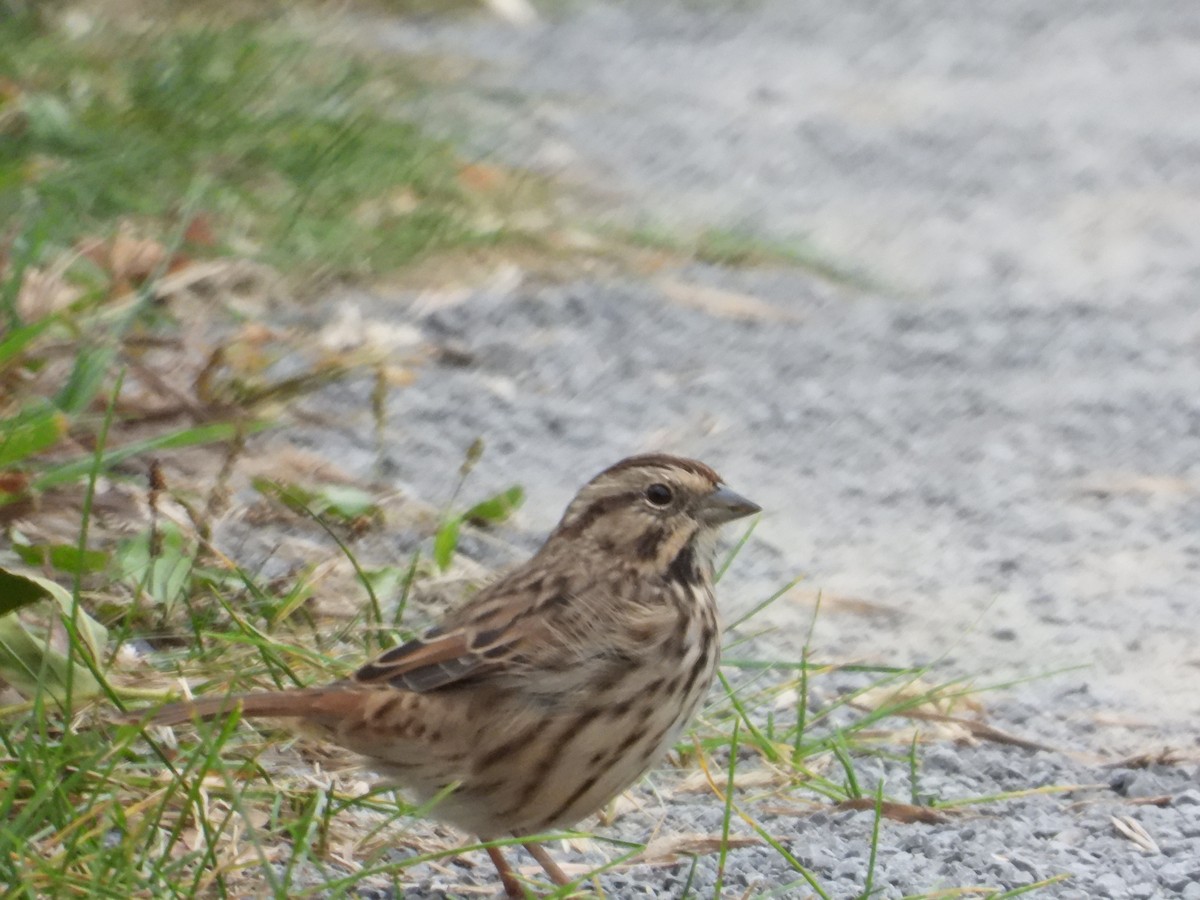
(281, 704)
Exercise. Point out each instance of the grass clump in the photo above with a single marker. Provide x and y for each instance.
(739, 248)
(291, 149)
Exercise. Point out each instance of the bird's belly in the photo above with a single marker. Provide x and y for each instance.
(559, 769)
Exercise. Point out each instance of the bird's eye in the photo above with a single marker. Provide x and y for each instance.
(659, 494)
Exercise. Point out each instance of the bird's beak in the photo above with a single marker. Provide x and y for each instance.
(724, 505)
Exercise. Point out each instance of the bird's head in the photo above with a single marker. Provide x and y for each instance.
(656, 512)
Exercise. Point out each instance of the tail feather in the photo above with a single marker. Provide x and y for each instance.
(277, 704)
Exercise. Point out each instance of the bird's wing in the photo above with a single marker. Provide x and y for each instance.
(485, 636)
(529, 623)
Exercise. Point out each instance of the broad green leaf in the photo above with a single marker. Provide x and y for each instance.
(446, 542)
(496, 509)
(64, 557)
(29, 665)
(28, 660)
(166, 576)
(17, 591)
(93, 633)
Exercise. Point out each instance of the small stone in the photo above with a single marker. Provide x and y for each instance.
(943, 759)
(1190, 797)
(847, 868)
(1020, 877)
(1192, 891)
(820, 859)
(1121, 780)
(1110, 884)
(1175, 875)
(1023, 865)
(1144, 784)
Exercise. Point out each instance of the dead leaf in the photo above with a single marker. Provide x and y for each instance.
(199, 232)
(349, 329)
(480, 177)
(14, 482)
(128, 259)
(44, 292)
(134, 259)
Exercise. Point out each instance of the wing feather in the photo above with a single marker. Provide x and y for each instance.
(529, 623)
(482, 637)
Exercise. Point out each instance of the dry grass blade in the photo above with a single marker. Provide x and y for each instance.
(665, 850)
(923, 702)
(1161, 801)
(1166, 756)
(980, 730)
(898, 812)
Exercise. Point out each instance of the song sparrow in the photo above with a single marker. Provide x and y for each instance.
(558, 685)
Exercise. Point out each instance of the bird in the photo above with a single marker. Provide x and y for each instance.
(555, 687)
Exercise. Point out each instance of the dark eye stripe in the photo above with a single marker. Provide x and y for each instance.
(648, 543)
(596, 510)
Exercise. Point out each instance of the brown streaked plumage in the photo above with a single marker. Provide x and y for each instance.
(558, 685)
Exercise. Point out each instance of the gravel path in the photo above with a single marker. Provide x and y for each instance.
(1003, 451)
(991, 459)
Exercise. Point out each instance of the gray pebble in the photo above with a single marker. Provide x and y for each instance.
(1110, 884)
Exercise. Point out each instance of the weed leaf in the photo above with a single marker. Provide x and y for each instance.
(29, 659)
(446, 542)
(496, 509)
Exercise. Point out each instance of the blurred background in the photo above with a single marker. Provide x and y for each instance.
(918, 277)
(312, 315)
